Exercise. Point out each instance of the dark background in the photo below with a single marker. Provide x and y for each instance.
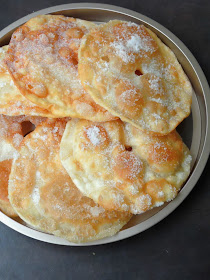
(176, 248)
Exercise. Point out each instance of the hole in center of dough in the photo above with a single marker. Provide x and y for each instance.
(27, 127)
(105, 58)
(138, 72)
(30, 86)
(128, 148)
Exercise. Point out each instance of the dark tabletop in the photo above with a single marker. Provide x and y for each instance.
(176, 248)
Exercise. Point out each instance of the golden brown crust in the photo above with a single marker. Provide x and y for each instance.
(44, 196)
(130, 72)
(5, 206)
(11, 136)
(12, 102)
(42, 60)
(122, 168)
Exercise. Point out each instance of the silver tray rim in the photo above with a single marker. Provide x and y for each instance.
(204, 149)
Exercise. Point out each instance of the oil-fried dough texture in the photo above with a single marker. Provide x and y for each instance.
(12, 130)
(130, 72)
(10, 138)
(12, 102)
(122, 168)
(44, 196)
(5, 206)
(43, 60)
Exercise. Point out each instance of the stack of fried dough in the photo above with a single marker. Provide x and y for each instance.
(104, 101)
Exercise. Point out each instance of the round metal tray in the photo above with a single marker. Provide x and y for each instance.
(194, 130)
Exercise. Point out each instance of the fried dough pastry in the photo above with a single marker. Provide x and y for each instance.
(5, 206)
(12, 102)
(122, 168)
(128, 70)
(43, 61)
(11, 136)
(44, 195)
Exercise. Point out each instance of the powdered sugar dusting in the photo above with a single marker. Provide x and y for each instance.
(47, 58)
(36, 194)
(134, 189)
(41, 137)
(93, 134)
(55, 129)
(159, 152)
(2, 84)
(96, 211)
(154, 84)
(134, 164)
(129, 97)
(122, 52)
(144, 200)
(160, 194)
(159, 203)
(136, 43)
(17, 139)
(131, 45)
(121, 175)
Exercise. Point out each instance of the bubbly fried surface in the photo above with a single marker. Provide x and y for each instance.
(130, 72)
(43, 61)
(44, 195)
(122, 168)
(12, 102)
(11, 136)
(5, 206)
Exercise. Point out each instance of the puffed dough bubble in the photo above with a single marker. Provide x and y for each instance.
(11, 137)
(128, 70)
(44, 196)
(43, 61)
(123, 168)
(12, 102)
